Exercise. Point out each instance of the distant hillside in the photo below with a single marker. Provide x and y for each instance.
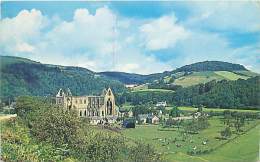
(132, 78)
(21, 76)
(210, 66)
(203, 72)
(126, 78)
(187, 75)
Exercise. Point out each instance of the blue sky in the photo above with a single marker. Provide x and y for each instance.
(140, 37)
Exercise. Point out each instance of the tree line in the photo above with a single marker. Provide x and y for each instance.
(223, 94)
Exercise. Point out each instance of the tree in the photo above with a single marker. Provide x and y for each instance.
(141, 109)
(175, 112)
(200, 108)
(104, 147)
(226, 133)
(143, 152)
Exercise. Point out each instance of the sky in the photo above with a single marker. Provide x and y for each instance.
(137, 37)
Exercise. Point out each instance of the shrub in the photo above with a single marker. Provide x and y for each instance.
(56, 126)
(143, 153)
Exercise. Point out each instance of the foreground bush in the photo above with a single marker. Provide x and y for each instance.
(56, 126)
(17, 145)
(43, 132)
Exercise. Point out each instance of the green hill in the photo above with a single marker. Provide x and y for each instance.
(126, 78)
(188, 75)
(21, 76)
(203, 72)
(207, 76)
(210, 66)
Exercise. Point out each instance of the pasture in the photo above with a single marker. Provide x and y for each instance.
(175, 145)
(192, 109)
(152, 90)
(230, 76)
(207, 76)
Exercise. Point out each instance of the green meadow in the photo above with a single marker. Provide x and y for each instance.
(152, 90)
(207, 76)
(230, 76)
(170, 142)
(186, 108)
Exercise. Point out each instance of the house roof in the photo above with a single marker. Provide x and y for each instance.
(152, 116)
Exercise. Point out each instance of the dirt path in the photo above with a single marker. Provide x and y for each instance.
(4, 117)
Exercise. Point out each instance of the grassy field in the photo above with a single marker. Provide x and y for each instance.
(152, 90)
(247, 73)
(206, 76)
(230, 76)
(213, 109)
(166, 142)
(140, 87)
(242, 149)
(197, 78)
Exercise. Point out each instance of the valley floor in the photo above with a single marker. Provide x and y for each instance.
(239, 148)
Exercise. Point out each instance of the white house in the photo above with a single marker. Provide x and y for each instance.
(164, 104)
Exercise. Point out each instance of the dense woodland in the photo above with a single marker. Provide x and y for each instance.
(210, 66)
(223, 94)
(25, 77)
(226, 94)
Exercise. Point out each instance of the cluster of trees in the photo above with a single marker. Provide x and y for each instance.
(196, 124)
(163, 85)
(235, 120)
(143, 97)
(43, 132)
(175, 112)
(225, 94)
(20, 77)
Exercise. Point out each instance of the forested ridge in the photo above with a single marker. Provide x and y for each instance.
(241, 93)
(210, 66)
(25, 77)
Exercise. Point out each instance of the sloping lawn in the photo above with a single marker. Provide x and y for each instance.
(230, 76)
(171, 143)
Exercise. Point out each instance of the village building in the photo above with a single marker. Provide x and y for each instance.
(161, 104)
(153, 119)
(98, 109)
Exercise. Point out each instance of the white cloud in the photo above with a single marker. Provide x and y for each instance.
(24, 27)
(89, 40)
(24, 47)
(162, 33)
(240, 16)
(18, 34)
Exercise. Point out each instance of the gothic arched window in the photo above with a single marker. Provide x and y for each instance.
(109, 107)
